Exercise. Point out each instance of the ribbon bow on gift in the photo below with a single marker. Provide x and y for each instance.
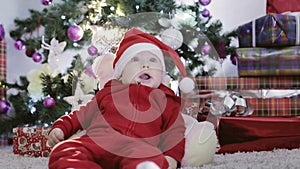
(231, 105)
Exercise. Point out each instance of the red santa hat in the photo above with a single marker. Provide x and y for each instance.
(135, 41)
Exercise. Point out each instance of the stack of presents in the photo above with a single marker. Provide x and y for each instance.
(267, 116)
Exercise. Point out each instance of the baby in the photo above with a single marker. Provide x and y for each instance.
(134, 121)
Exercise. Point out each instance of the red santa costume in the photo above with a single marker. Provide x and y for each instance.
(125, 124)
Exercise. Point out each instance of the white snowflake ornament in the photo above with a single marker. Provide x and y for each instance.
(57, 58)
(79, 98)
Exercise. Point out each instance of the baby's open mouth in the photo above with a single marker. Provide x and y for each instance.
(145, 76)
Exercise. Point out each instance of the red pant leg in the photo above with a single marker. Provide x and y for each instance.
(84, 152)
(73, 154)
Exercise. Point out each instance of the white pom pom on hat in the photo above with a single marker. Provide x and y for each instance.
(135, 41)
(186, 85)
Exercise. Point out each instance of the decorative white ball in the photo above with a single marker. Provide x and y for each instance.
(172, 37)
(164, 22)
(186, 85)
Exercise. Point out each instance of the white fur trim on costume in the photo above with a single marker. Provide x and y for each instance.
(133, 50)
(201, 142)
(147, 165)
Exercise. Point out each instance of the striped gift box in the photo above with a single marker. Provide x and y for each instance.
(269, 61)
(269, 31)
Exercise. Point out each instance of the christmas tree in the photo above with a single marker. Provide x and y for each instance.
(95, 27)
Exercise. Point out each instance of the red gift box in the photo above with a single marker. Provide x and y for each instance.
(246, 134)
(31, 141)
(280, 6)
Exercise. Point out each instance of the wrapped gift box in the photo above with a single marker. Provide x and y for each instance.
(271, 30)
(247, 83)
(5, 139)
(262, 107)
(269, 61)
(2, 66)
(281, 100)
(275, 106)
(31, 141)
(280, 6)
(246, 134)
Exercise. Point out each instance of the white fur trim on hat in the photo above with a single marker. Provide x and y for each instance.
(130, 52)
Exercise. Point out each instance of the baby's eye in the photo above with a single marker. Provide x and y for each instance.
(135, 59)
(153, 60)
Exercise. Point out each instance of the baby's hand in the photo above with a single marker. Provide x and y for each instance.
(172, 162)
(55, 136)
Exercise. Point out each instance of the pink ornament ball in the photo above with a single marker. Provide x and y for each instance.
(37, 57)
(46, 2)
(92, 50)
(49, 102)
(5, 107)
(204, 2)
(205, 13)
(19, 44)
(206, 49)
(75, 33)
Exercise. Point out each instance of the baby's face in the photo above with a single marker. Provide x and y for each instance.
(144, 68)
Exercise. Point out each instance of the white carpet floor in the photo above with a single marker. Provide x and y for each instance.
(277, 159)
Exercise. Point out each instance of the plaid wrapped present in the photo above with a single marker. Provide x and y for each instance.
(271, 30)
(269, 61)
(275, 106)
(247, 83)
(2, 66)
(5, 139)
(243, 85)
(31, 141)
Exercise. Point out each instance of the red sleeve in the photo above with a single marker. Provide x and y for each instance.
(173, 141)
(77, 120)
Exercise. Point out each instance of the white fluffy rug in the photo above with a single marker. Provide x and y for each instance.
(277, 159)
